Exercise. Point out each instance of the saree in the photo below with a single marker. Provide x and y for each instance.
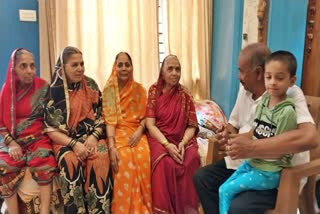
(21, 116)
(173, 111)
(125, 109)
(75, 110)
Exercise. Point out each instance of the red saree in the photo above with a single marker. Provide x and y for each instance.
(173, 111)
(21, 115)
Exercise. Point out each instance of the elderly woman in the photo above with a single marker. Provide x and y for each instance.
(124, 107)
(21, 125)
(172, 125)
(76, 127)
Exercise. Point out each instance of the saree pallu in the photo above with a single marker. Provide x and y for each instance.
(27, 132)
(132, 183)
(85, 185)
(173, 111)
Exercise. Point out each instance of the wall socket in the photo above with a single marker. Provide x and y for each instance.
(28, 15)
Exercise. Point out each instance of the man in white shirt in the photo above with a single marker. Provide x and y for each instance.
(208, 179)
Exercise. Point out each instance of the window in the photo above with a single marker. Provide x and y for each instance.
(162, 32)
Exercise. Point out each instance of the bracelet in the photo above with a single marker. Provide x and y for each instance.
(95, 135)
(165, 143)
(72, 143)
(7, 139)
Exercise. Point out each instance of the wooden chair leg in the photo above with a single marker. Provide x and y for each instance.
(291, 185)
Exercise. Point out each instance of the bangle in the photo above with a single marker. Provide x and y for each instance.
(165, 143)
(95, 135)
(7, 139)
(72, 143)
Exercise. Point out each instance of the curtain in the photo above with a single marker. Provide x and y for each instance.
(189, 36)
(47, 38)
(102, 28)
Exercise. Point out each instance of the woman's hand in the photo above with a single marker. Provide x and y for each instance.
(91, 144)
(15, 151)
(174, 153)
(80, 150)
(114, 159)
(181, 148)
(135, 138)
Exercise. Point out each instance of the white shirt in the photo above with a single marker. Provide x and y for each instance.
(243, 113)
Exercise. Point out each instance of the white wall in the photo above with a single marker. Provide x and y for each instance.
(250, 22)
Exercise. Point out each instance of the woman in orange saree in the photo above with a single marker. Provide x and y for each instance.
(124, 106)
(21, 124)
(75, 125)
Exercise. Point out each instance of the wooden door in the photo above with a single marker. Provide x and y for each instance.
(311, 65)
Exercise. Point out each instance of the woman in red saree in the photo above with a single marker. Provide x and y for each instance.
(172, 125)
(21, 124)
(75, 124)
(124, 107)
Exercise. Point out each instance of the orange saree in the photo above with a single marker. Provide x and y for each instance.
(125, 109)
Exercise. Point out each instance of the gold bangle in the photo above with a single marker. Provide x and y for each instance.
(97, 132)
(165, 143)
(7, 139)
(95, 135)
(72, 143)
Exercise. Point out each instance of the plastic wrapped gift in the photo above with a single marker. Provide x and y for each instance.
(210, 117)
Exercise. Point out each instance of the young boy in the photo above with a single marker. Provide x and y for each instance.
(275, 114)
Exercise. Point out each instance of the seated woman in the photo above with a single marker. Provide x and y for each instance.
(21, 123)
(172, 125)
(76, 127)
(124, 107)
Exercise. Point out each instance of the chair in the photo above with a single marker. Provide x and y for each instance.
(288, 199)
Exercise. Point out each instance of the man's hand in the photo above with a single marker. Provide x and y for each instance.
(222, 137)
(240, 147)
